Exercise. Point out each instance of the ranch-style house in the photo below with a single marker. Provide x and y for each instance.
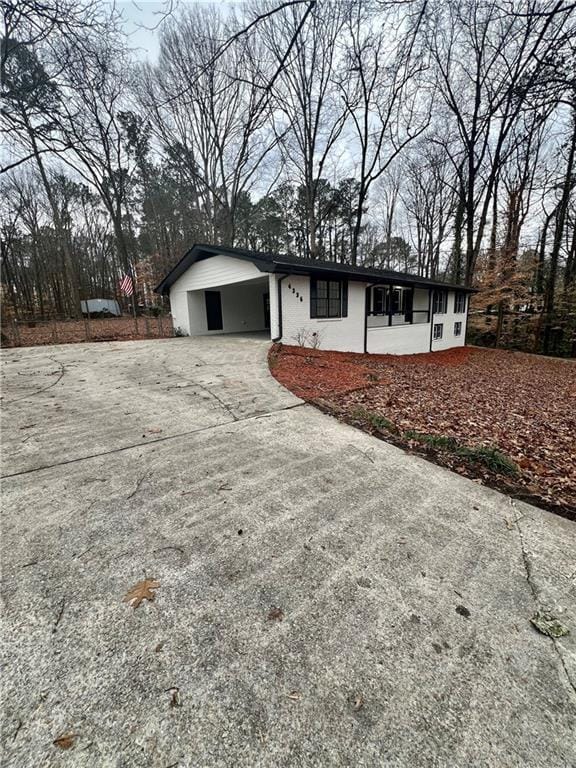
(332, 306)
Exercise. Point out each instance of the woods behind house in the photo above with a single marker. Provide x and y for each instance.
(426, 136)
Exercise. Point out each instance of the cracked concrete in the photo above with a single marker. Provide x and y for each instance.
(405, 590)
(540, 605)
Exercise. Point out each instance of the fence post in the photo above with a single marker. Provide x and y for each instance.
(146, 325)
(87, 323)
(54, 332)
(16, 332)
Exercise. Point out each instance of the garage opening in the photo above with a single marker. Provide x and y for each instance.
(242, 307)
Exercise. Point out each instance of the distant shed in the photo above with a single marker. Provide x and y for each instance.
(101, 307)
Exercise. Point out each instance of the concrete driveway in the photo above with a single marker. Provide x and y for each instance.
(324, 599)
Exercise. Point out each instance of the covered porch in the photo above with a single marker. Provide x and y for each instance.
(397, 319)
(392, 305)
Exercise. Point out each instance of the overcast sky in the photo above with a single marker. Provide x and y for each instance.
(144, 17)
(140, 20)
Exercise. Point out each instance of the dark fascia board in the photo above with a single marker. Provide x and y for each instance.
(267, 262)
(363, 274)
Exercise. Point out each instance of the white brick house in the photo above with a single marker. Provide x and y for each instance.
(215, 290)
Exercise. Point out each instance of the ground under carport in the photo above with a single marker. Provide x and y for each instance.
(404, 591)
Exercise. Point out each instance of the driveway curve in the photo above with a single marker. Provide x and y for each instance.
(323, 598)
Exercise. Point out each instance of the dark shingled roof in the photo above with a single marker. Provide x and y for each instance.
(269, 262)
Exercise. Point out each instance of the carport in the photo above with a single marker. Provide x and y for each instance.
(212, 293)
(230, 308)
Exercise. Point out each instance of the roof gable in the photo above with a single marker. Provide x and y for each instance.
(198, 252)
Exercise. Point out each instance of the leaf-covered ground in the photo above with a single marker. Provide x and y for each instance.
(75, 331)
(473, 410)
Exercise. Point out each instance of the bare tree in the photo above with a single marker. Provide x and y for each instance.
(490, 63)
(380, 92)
(308, 117)
(217, 128)
(429, 198)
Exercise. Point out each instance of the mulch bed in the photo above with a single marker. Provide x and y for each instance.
(75, 331)
(461, 408)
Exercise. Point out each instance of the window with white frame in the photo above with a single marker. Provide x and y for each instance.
(457, 329)
(459, 302)
(440, 303)
(438, 328)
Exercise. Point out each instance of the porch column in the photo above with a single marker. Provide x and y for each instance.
(274, 306)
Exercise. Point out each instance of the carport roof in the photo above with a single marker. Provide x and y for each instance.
(293, 265)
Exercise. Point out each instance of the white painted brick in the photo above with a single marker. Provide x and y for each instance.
(399, 340)
(448, 319)
(344, 334)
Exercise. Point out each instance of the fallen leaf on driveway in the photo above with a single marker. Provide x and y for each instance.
(549, 625)
(141, 591)
(175, 698)
(358, 702)
(294, 695)
(65, 741)
(154, 431)
(276, 614)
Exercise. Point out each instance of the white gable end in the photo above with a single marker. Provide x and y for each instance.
(214, 271)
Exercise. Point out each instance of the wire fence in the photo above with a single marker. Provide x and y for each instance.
(54, 329)
(525, 332)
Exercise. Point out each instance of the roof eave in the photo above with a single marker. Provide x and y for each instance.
(265, 262)
(367, 277)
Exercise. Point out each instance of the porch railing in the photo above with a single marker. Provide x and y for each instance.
(398, 319)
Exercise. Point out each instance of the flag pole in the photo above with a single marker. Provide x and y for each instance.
(133, 276)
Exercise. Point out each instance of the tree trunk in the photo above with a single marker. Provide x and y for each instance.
(62, 235)
(561, 215)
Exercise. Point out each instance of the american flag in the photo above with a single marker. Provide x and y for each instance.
(127, 286)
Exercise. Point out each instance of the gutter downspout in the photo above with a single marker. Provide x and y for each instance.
(277, 339)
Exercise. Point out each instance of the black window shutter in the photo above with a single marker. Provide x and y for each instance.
(344, 298)
(313, 297)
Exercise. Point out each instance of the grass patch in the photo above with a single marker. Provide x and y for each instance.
(491, 457)
(375, 420)
(433, 441)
